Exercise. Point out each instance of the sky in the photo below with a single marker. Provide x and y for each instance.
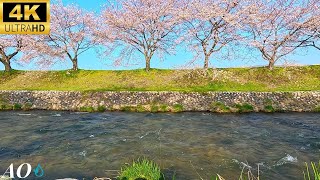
(181, 59)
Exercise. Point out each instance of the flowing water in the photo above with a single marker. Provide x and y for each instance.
(189, 145)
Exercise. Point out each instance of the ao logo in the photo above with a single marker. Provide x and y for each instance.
(38, 171)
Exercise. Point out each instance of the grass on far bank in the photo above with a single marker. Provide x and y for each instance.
(305, 78)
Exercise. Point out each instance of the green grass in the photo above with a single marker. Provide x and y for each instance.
(141, 169)
(313, 173)
(87, 109)
(140, 109)
(219, 107)
(27, 106)
(269, 109)
(244, 108)
(305, 78)
(178, 108)
(148, 170)
(128, 109)
(155, 108)
(164, 108)
(101, 109)
(17, 107)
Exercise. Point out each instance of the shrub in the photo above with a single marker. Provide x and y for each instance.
(269, 108)
(164, 108)
(27, 106)
(154, 108)
(317, 109)
(141, 169)
(128, 108)
(244, 108)
(219, 107)
(87, 109)
(102, 108)
(5, 107)
(140, 108)
(17, 106)
(178, 108)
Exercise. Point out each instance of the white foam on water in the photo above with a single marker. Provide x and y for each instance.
(287, 160)
(242, 164)
(24, 114)
(56, 115)
(83, 153)
(80, 113)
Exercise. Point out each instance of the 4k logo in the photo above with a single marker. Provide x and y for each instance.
(16, 12)
(24, 17)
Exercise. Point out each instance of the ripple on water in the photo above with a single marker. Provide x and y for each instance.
(85, 145)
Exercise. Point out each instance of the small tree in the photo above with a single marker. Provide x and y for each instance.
(275, 27)
(70, 36)
(144, 26)
(211, 25)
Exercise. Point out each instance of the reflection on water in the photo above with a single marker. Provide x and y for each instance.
(190, 145)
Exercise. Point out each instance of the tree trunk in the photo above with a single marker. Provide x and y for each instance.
(206, 62)
(148, 66)
(7, 65)
(75, 64)
(271, 64)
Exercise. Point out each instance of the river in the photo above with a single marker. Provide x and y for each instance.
(189, 145)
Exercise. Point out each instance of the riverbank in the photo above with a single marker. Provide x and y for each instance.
(305, 78)
(222, 102)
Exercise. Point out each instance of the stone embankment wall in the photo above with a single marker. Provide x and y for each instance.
(162, 101)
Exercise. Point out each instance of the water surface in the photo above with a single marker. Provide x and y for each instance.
(190, 145)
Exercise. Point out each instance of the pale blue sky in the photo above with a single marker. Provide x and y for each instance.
(90, 59)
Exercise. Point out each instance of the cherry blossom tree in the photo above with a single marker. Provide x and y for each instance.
(11, 46)
(276, 26)
(70, 36)
(144, 26)
(312, 32)
(316, 41)
(211, 25)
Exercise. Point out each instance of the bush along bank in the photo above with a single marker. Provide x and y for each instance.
(221, 102)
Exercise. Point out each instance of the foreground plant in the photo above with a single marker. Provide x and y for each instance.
(244, 175)
(315, 174)
(141, 169)
(5, 178)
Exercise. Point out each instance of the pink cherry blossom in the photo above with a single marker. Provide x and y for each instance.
(211, 25)
(144, 26)
(11, 46)
(70, 36)
(276, 27)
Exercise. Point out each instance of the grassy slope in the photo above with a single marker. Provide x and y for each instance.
(236, 79)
